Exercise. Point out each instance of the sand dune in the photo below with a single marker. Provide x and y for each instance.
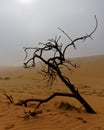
(27, 83)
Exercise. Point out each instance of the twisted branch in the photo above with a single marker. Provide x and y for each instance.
(41, 101)
(53, 65)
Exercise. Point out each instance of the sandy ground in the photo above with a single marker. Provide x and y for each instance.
(27, 83)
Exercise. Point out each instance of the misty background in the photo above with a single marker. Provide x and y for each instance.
(25, 23)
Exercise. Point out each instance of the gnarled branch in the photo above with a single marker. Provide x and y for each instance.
(53, 65)
(80, 38)
(41, 101)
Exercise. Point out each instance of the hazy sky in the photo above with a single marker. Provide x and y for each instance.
(25, 23)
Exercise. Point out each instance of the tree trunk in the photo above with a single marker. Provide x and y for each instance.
(76, 93)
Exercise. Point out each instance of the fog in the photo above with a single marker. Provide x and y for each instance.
(25, 23)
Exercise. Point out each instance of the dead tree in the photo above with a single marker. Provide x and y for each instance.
(54, 64)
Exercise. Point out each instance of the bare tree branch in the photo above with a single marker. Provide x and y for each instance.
(80, 38)
(41, 101)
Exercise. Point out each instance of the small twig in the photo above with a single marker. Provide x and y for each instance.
(10, 98)
(30, 114)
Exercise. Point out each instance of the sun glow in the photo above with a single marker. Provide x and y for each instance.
(27, 1)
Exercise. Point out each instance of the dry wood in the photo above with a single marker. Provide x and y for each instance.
(53, 63)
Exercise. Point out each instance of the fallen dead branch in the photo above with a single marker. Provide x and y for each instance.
(41, 101)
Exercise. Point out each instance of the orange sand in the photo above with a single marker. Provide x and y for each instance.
(26, 83)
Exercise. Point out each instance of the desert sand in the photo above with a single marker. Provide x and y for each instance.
(23, 83)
